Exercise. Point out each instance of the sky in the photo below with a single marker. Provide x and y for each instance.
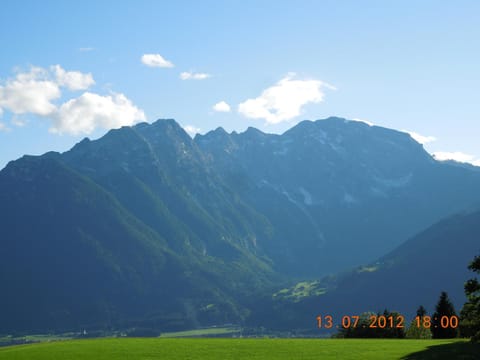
(70, 70)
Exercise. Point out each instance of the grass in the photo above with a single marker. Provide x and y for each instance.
(225, 349)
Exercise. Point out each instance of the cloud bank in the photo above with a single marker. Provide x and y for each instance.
(421, 139)
(89, 111)
(456, 156)
(34, 92)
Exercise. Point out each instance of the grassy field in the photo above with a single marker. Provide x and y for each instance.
(130, 348)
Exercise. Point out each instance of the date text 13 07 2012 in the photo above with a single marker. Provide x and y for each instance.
(382, 322)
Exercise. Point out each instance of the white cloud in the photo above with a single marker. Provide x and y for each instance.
(456, 156)
(86, 49)
(156, 60)
(35, 73)
(3, 127)
(191, 130)
(421, 139)
(193, 76)
(34, 92)
(17, 121)
(369, 123)
(221, 106)
(89, 111)
(284, 100)
(30, 92)
(73, 80)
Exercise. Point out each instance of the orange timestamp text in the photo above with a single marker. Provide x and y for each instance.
(383, 321)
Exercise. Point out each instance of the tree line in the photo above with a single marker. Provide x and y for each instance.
(444, 323)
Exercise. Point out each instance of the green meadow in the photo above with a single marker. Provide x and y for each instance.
(214, 348)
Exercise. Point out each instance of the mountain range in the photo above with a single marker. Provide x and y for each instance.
(147, 225)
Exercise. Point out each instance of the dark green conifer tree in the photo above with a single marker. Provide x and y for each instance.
(421, 311)
(441, 323)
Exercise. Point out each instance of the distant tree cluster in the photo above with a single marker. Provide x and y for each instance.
(442, 324)
(375, 325)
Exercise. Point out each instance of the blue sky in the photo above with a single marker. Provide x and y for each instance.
(75, 69)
